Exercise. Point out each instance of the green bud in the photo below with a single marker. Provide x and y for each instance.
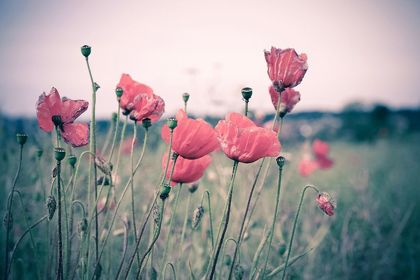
(21, 138)
(164, 191)
(146, 123)
(228, 260)
(82, 226)
(39, 153)
(172, 123)
(193, 187)
(280, 161)
(86, 50)
(103, 165)
(246, 93)
(185, 97)
(282, 249)
(72, 159)
(119, 92)
(59, 153)
(114, 117)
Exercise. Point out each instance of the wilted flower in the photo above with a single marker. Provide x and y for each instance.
(51, 111)
(326, 203)
(197, 216)
(241, 140)
(289, 98)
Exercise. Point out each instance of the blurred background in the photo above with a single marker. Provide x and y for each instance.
(360, 94)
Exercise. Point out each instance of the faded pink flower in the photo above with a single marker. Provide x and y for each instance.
(285, 67)
(307, 167)
(289, 98)
(326, 203)
(321, 150)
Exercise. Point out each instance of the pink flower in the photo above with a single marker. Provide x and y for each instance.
(307, 167)
(51, 111)
(286, 67)
(321, 150)
(186, 170)
(192, 139)
(289, 98)
(145, 106)
(131, 89)
(326, 203)
(243, 141)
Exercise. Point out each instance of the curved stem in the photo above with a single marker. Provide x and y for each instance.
(294, 228)
(184, 227)
(226, 214)
(81, 206)
(223, 254)
(173, 270)
(165, 253)
(9, 213)
(274, 223)
(132, 189)
(210, 216)
(124, 246)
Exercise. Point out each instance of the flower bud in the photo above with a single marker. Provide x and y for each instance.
(98, 271)
(86, 50)
(103, 165)
(21, 138)
(54, 172)
(326, 203)
(72, 160)
(193, 187)
(39, 153)
(164, 191)
(228, 260)
(146, 123)
(51, 205)
(119, 92)
(152, 274)
(246, 93)
(6, 219)
(59, 153)
(114, 117)
(280, 161)
(282, 249)
(197, 216)
(239, 272)
(172, 123)
(101, 180)
(185, 97)
(156, 214)
(82, 226)
(81, 268)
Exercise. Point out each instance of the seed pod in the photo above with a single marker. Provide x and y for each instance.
(152, 274)
(51, 205)
(239, 272)
(81, 268)
(198, 214)
(156, 214)
(6, 218)
(103, 165)
(82, 228)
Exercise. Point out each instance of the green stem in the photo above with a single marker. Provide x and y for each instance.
(246, 108)
(108, 137)
(294, 228)
(226, 215)
(184, 227)
(116, 131)
(121, 144)
(185, 107)
(274, 223)
(69, 224)
(165, 253)
(60, 238)
(132, 189)
(173, 270)
(58, 137)
(78, 202)
(9, 213)
(40, 178)
(223, 254)
(210, 216)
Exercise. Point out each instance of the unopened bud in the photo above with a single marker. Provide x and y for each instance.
(197, 216)
(114, 117)
(59, 153)
(172, 123)
(39, 153)
(239, 272)
(153, 274)
(146, 123)
(280, 161)
(86, 50)
(96, 86)
(81, 268)
(185, 97)
(282, 249)
(51, 205)
(228, 260)
(8, 219)
(98, 271)
(164, 191)
(82, 226)
(246, 93)
(21, 138)
(101, 181)
(193, 187)
(156, 214)
(72, 160)
(326, 203)
(103, 165)
(119, 91)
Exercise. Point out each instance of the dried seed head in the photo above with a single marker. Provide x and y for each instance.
(103, 165)
(197, 216)
(172, 123)
(51, 205)
(72, 159)
(6, 219)
(156, 214)
(82, 226)
(239, 272)
(152, 274)
(81, 268)
(146, 123)
(193, 187)
(59, 153)
(280, 161)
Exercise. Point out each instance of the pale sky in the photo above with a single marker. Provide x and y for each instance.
(357, 51)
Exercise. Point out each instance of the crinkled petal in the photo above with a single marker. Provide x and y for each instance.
(72, 109)
(43, 114)
(75, 134)
(240, 120)
(53, 101)
(131, 89)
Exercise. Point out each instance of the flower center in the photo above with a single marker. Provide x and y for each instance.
(57, 120)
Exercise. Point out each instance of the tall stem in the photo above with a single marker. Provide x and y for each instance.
(108, 137)
(121, 144)
(9, 213)
(60, 238)
(246, 107)
(210, 217)
(294, 228)
(184, 227)
(116, 132)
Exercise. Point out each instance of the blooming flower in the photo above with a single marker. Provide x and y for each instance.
(243, 141)
(289, 98)
(145, 106)
(51, 111)
(285, 67)
(326, 203)
(321, 150)
(131, 89)
(192, 139)
(186, 170)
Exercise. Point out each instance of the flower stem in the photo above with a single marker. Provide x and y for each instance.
(223, 254)
(294, 228)
(9, 213)
(108, 137)
(60, 238)
(173, 270)
(210, 217)
(115, 133)
(184, 227)
(246, 107)
(226, 214)
(274, 222)
(121, 144)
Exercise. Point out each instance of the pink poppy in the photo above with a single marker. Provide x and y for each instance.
(326, 203)
(192, 139)
(51, 111)
(145, 106)
(307, 166)
(321, 150)
(285, 67)
(243, 141)
(186, 170)
(131, 90)
(289, 98)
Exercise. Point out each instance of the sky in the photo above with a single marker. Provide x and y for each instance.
(357, 51)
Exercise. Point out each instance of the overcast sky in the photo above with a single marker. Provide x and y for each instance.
(357, 51)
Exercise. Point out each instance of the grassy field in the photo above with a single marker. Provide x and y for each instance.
(374, 233)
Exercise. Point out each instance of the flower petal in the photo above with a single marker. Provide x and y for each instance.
(75, 134)
(43, 114)
(72, 109)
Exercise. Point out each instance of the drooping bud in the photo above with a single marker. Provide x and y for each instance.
(72, 160)
(86, 50)
(114, 117)
(103, 165)
(39, 153)
(246, 93)
(156, 214)
(172, 123)
(51, 205)
(228, 260)
(239, 272)
(280, 161)
(81, 268)
(326, 203)
(59, 153)
(282, 249)
(21, 138)
(193, 187)
(146, 123)
(82, 226)
(153, 274)
(9, 219)
(164, 191)
(101, 180)
(98, 271)
(185, 97)
(197, 216)
(119, 92)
